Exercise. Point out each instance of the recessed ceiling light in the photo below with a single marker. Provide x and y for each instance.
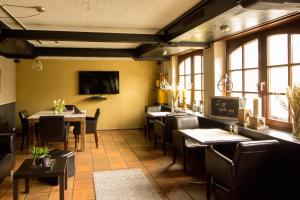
(164, 52)
(224, 28)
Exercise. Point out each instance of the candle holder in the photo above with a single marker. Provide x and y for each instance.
(244, 116)
(257, 123)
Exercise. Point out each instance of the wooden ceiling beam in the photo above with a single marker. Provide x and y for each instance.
(80, 36)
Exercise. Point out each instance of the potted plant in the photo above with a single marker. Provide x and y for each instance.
(293, 96)
(40, 156)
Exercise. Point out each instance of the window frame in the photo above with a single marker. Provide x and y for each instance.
(192, 55)
(289, 28)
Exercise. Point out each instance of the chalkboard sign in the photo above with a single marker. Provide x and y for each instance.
(225, 107)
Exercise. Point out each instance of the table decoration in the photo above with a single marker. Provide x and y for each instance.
(293, 96)
(59, 106)
(174, 91)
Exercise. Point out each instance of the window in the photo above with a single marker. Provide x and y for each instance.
(283, 65)
(243, 71)
(190, 77)
(270, 57)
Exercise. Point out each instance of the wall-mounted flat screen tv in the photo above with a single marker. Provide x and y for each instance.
(98, 82)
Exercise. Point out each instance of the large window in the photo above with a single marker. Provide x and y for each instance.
(243, 71)
(283, 70)
(270, 61)
(190, 77)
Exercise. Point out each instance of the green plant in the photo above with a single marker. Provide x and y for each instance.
(38, 152)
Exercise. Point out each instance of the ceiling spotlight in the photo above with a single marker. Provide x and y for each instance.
(224, 28)
(39, 8)
(164, 52)
(37, 65)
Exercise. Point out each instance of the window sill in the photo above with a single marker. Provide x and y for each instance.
(269, 133)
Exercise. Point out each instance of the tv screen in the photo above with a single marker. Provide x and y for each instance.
(98, 82)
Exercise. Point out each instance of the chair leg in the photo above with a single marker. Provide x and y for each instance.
(174, 155)
(208, 186)
(66, 145)
(22, 143)
(145, 131)
(96, 138)
(184, 160)
(75, 136)
(155, 141)
(164, 148)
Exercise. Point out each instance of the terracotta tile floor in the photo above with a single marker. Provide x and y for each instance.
(117, 150)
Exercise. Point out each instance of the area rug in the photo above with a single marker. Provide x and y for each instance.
(129, 184)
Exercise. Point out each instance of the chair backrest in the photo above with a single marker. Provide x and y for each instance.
(186, 122)
(170, 125)
(23, 115)
(255, 162)
(97, 114)
(52, 129)
(69, 107)
(152, 108)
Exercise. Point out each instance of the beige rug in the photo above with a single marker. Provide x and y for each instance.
(129, 184)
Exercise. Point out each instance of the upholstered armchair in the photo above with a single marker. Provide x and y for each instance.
(181, 144)
(149, 122)
(163, 131)
(249, 174)
(7, 154)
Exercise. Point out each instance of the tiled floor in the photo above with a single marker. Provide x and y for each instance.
(117, 150)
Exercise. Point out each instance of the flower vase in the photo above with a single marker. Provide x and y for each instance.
(173, 107)
(296, 128)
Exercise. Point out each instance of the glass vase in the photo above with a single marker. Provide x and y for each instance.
(296, 128)
(173, 106)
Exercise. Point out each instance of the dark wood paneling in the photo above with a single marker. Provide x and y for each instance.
(7, 117)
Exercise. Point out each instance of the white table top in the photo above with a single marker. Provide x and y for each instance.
(66, 114)
(158, 114)
(213, 136)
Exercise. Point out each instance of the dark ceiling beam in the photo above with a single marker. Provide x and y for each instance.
(80, 36)
(203, 45)
(197, 15)
(83, 52)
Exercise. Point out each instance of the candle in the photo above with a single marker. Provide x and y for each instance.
(255, 107)
(183, 93)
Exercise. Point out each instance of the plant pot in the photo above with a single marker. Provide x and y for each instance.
(296, 129)
(37, 162)
(45, 161)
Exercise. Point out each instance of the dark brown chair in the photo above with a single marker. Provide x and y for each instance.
(53, 129)
(23, 115)
(247, 175)
(163, 131)
(149, 124)
(91, 127)
(181, 144)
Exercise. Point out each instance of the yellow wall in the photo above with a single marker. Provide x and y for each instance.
(36, 90)
(7, 81)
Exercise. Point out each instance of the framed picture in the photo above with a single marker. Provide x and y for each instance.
(224, 107)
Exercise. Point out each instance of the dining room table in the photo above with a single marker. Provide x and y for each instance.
(69, 116)
(210, 137)
(213, 136)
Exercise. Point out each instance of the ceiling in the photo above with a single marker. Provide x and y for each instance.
(140, 29)
(112, 16)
